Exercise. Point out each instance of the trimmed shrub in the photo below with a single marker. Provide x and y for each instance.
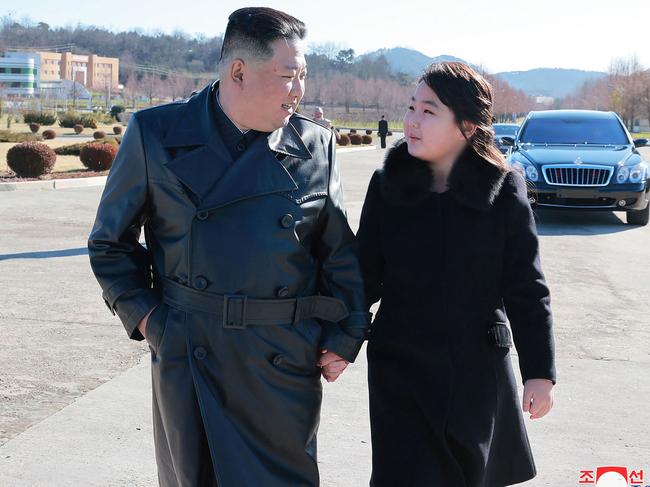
(34, 127)
(70, 119)
(355, 139)
(366, 139)
(368, 132)
(42, 118)
(353, 131)
(98, 156)
(8, 136)
(70, 150)
(99, 134)
(345, 139)
(117, 129)
(78, 128)
(49, 134)
(389, 134)
(107, 140)
(31, 159)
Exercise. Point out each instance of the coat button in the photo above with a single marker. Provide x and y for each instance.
(283, 292)
(240, 146)
(286, 221)
(200, 353)
(200, 282)
(202, 215)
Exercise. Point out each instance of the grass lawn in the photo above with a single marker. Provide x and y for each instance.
(63, 163)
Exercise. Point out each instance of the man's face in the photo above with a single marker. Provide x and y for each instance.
(318, 115)
(272, 89)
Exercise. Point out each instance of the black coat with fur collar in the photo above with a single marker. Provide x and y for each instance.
(448, 268)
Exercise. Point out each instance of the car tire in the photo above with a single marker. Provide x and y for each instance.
(638, 217)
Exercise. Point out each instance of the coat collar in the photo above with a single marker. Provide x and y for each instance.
(206, 167)
(474, 182)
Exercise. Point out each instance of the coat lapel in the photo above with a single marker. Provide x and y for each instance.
(204, 165)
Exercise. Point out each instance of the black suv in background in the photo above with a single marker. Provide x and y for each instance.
(582, 159)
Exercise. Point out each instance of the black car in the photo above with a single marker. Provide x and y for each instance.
(582, 159)
(504, 130)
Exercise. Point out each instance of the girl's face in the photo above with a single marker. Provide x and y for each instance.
(430, 127)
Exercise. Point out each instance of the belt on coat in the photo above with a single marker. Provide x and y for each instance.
(238, 311)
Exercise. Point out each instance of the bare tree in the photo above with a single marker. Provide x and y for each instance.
(626, 80)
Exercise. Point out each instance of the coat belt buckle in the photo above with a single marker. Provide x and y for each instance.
(234, 311)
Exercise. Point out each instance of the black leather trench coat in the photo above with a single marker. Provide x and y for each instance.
(236, 389)
(451, 269)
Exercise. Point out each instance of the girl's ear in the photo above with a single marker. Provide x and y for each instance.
(468, 129)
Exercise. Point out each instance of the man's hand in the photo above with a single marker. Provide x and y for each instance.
(142, 326)
(331, 365)
(538, 397)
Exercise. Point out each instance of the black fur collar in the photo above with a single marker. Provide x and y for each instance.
(473, 181)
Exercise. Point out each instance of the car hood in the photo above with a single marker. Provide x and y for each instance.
(605, 156)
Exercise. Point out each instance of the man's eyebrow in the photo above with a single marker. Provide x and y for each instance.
(295, 68)
(427, 102)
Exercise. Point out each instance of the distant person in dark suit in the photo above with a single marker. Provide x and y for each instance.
(383, 131)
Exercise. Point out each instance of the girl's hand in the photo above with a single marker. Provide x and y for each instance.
(332, 366)
(538, 397)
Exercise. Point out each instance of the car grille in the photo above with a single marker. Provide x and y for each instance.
(572, 175)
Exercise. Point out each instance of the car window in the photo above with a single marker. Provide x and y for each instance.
(573, 131)
(500, 131)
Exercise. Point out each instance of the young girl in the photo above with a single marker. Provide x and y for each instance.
(449, 245)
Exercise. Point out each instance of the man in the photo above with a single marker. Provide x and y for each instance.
(319, 118)
(249, 280)
(383, 131)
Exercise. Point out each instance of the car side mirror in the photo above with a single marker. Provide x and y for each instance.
(640, 142)
(507, 140)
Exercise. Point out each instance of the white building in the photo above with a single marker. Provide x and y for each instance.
(20, 73)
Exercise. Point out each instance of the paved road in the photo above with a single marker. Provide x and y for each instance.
(74, 391)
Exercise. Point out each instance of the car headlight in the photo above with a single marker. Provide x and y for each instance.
(531, 173)
(632, 174)
(622, 174)
(638, 173)
(527, 170)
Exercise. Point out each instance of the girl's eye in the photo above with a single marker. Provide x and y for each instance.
(429, 112)
(411, 108)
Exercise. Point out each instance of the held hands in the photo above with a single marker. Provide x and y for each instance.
(538, 397)
(332, 366)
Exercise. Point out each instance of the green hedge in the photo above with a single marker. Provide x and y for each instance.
(41, 118)
(70, 119)
(8, 136)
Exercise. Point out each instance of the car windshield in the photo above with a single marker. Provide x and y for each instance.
(605, 131)
(503, 130)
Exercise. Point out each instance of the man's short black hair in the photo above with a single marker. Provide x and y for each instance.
(251, 31)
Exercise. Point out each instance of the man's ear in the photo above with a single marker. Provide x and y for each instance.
(237, 68)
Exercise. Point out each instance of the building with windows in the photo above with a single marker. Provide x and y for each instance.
(19, 73)
(22, 73)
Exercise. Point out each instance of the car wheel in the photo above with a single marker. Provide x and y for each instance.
(638, 217)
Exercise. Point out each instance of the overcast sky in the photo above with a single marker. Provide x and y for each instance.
(506, 35)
